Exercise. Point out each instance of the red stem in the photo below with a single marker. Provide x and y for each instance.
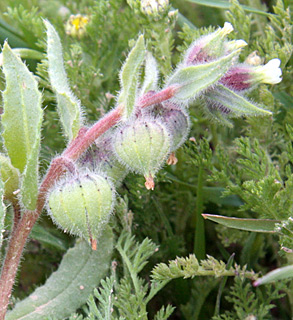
(150, 99)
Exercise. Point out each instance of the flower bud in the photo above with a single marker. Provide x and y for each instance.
(154, 8)
(76, 25)
(143, 145)
(208, 47)
(82, 205)
(101, 158)
(253, 59)
(243, 77)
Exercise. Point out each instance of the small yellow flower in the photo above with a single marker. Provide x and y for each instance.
(76, 25)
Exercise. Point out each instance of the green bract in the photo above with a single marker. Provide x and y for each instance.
(143, 145)
(82, 205)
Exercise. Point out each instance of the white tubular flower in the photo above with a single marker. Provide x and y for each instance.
(270, 73)
(244, 76)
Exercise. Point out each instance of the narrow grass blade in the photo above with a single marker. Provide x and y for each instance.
(255, 225)
(222, 4)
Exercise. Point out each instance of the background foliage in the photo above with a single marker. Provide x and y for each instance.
(244, 171)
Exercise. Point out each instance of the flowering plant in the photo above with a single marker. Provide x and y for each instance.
(88, 187)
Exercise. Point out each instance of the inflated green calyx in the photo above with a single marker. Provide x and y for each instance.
(82, 205)
(143, 144)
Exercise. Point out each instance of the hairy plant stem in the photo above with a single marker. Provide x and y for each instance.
(58, 167)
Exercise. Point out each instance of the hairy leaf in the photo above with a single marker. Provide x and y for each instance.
(9, 176)
(233, 103)
(22, 120)
(129, 76)
(68, 288)
(151, 74)
(275, 275)
(194, 79)
(68, 105)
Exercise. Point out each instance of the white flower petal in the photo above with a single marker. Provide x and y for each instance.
(271, 72)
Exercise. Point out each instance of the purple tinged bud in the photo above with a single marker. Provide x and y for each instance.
(208, 47)
(237, 78)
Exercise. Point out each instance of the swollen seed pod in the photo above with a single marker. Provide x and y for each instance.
(143, 145)
(82, 205)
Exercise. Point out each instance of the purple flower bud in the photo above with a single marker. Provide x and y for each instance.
(208, 47)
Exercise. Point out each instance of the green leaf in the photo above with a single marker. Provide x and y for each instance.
(255, 225)
(236, 104)
(44, 236)
(104, 309)
(275, 275)
(2, 212)
(192, 80)
(9, 176)
(129, 76)
(151, 74)
(68, 105)
(80, 271)
(222, 4)
(26, 53)
(22, 120)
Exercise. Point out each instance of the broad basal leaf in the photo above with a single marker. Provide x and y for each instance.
(69, 287)
(68, 105)
(129, 76)
(22, 120)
